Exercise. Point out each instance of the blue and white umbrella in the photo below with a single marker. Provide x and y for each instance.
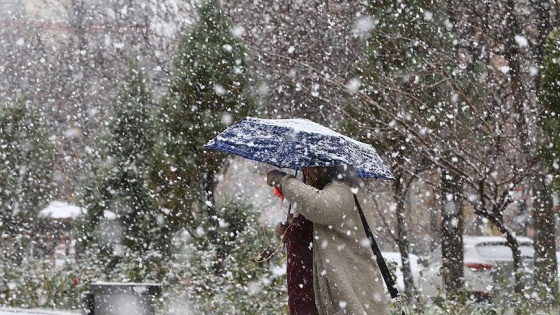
(297, 143)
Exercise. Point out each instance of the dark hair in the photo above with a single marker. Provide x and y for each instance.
(339, 173)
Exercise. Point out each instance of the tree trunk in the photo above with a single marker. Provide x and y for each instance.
(517, 261)
(435, 223)
(543, 212)
(452, 226)
(399, 190)
(511, 242)
(545, 240)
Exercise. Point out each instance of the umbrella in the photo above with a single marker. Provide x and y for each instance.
(296, 143)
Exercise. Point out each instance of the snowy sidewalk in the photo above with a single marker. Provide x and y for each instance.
(26, 311)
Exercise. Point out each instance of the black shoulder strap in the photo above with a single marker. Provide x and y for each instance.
(387, 277)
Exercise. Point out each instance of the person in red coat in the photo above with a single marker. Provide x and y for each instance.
(297, 234)
(299, 267)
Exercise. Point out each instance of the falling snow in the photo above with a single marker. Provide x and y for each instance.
(106, 107)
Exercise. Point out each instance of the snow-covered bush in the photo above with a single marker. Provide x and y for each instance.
(190, 280)
(36, 283)
(242, 285)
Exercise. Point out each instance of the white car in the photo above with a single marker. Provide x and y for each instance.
(488, 266)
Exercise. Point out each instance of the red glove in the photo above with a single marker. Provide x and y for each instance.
(278, 193)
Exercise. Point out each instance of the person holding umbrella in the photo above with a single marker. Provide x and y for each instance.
(346, 277)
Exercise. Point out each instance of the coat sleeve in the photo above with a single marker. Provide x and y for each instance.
(332, 205)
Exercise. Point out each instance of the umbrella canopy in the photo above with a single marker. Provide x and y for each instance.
(297, 143)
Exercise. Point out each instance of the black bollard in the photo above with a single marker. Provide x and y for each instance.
(125, 298)
(88, 303)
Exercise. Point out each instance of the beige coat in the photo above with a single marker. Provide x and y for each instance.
(346, 277)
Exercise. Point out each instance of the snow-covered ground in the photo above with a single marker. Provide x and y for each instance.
(23, 311)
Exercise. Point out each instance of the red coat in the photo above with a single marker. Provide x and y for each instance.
(299, 269)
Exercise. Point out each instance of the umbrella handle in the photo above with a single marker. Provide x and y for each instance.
(290, 205)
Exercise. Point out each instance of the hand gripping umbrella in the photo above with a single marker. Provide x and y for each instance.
(297, 143)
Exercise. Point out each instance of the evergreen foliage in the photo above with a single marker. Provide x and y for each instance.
(27, 158)
(209, 92)
(117, 183)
